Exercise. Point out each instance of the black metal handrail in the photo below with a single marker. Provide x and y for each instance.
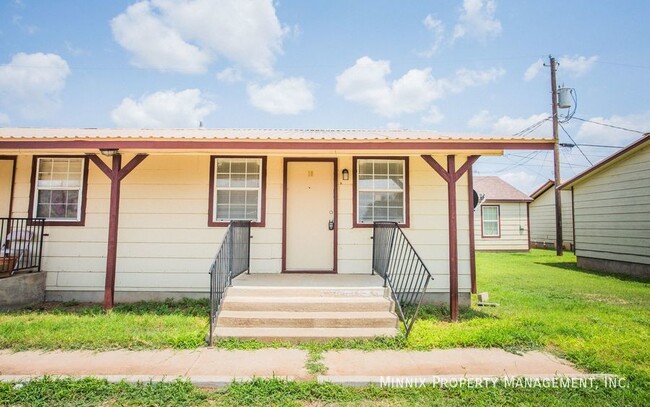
(21, 244)
(404, 272)
(232, 259)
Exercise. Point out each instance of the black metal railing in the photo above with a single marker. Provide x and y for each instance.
(404, 272)
(232, 259)
(21, 244)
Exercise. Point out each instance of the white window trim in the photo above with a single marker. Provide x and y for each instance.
(497, 221)
(359, 190)
(258, 189)
(81, 189)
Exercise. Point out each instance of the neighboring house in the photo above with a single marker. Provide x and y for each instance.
(312, 196)
(542, 217)
(611, 209)
(501, 220)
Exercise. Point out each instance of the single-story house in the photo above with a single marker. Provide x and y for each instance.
(139, 213)
(542, 217)
(611, 212)
(501, 219)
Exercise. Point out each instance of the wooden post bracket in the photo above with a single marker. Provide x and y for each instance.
(451, 176)
(116, 174)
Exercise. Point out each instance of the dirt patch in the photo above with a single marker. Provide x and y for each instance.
(605, 299)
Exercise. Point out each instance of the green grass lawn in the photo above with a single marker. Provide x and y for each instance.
(599, 322)
(69, 326)
(48, 392)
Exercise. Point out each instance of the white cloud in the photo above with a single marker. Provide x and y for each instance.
(30, 29)
(592, 133)
(154, 44)
(533, 70)
(522, 180)
(434, 116)
(76, 51)
(577, 65)
(31, 83)
(4, 118)
(477, 20)
(185, 36)
(186, 108)
(481, 120)
(286, 96)
(231, 75)
(573, 65)
(437, 27)
(508, 126)
(365, 83)
(393, 126)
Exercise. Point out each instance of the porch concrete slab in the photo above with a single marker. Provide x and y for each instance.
(308, 280)
(205, 362)
(441, 362)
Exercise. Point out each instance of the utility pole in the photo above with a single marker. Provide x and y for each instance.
(556, 162)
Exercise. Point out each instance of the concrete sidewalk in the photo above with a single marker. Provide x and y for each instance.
(218, 368)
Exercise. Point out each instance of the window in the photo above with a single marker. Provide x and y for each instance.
(59, 185)
(490, 221)
(237, 190)
(380, 190)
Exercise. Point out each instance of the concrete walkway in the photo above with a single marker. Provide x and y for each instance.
(218, 368)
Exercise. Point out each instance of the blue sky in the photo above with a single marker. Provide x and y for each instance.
(454, 66)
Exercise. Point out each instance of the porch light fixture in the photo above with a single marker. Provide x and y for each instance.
(109, 152)
(346, 174)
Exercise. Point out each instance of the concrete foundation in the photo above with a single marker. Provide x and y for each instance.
(21, 290)
(121, 296)
(618, 267)
(263, 280)
(464, 299)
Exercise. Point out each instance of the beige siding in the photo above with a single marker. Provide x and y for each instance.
(166, 245)
(6, 171)
(542, 218)
(513, 224)
(612, 211)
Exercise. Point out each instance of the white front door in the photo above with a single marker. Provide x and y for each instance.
(310, 207)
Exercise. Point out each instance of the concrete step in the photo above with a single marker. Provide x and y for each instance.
(306, 304)
(293, 319)
(258, 291)
(301, 334)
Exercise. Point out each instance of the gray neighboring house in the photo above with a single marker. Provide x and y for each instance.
(501, 220)
(611, 207)
(542, 217)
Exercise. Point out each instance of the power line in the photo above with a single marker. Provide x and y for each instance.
(531, 128)
(574, 142)
(609, 125)
(588, 145)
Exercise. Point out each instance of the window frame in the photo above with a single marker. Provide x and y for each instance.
(355, 190)
(83, 191)
(498, 235)
(212, 197)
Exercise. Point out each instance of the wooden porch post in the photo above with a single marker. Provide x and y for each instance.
(472, 243)
(116, 174)
(451, 176)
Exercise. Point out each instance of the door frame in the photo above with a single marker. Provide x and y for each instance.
(334, 161)
(13, 180)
